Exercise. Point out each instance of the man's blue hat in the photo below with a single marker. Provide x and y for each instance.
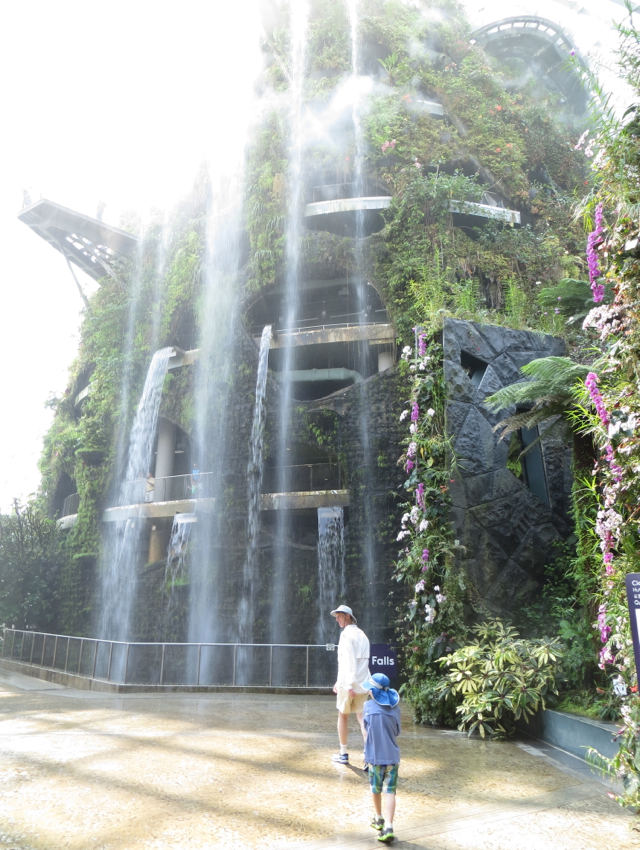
(379, 686)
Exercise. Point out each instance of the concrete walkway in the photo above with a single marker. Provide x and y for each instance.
(80, 770)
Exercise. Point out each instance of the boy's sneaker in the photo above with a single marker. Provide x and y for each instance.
(377, 823)
(340, 758)
(386, 836)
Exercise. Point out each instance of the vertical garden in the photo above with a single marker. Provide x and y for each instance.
(506, 203)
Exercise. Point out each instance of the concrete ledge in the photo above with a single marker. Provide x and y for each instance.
(484, 211)
(84, 683)
(347, 205)
(302, 501)
(153, 510)
(183, 358)
(572, 733)
(382, 334)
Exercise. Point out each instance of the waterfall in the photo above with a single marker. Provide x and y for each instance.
(367, 520)
(254, 485)
(121, 550)
(212, 612)
(175, 568)
(331, 569)
(299, 19)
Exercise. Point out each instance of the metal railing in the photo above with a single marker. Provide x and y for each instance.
(339, 191)
(70, 505)
(302, 478)
(182, 664)
(169, 489)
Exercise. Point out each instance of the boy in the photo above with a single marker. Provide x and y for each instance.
(381, 719)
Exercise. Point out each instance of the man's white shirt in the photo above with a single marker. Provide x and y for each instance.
(353, 659)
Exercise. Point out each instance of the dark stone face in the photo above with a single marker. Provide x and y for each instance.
(507, 529)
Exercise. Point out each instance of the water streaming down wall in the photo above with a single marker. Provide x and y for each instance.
(121, 547)
(175, 572)
(367, 522)
(219, 334)
(299, 21)
(246, 610)
(331, 570)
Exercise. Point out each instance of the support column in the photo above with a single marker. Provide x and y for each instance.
(164, 457)
(385, 361)
(158, 542)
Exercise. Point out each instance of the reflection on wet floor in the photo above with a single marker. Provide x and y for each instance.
(82, 770)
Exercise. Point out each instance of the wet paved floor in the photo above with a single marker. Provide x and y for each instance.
(81, 770)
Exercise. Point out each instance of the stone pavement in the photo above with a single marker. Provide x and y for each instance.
(82, 770)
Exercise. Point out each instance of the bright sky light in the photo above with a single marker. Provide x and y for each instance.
(121, 102)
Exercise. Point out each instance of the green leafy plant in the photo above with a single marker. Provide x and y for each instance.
(501, 677)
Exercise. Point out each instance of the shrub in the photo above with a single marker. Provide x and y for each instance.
(502, 677)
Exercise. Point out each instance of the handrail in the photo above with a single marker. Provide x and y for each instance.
(116, 656)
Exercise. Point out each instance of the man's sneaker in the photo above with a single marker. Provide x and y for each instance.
(386, 835)
(377, 823)
(340, 758)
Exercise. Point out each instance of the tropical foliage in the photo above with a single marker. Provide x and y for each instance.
(501, 677)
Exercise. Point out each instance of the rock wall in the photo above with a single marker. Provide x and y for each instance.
(508, 532)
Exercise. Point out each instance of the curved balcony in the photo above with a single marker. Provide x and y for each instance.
(346, 209)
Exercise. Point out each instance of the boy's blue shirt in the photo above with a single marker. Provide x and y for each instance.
(383, 726)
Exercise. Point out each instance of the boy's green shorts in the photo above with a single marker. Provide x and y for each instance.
(383, 777)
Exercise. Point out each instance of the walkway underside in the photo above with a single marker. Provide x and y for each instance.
(83, 770)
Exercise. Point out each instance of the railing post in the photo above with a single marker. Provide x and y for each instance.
(22, 646)
(55, 650)
(33, 643)
(162, 664)
(44, 641)
(66, 658)
(95, 659)
(199, 655)
(80, 655)
(110, 657)
(126, 664)
(307, 677)
(270, 665)
(235, 654)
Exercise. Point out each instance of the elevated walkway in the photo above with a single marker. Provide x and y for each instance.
(382, 334)
(88, 243)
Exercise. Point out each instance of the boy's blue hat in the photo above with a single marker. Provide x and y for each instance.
(379, 686)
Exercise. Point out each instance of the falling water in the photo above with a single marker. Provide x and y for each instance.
(175, 571)
(209, 586)
(331, 569)
(367, 521)
(123, 539)
(254, 486)
(299, 19)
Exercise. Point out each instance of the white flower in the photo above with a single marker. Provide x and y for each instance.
(413, 603)
(412, 368)
(405, 518)
(420, 586)
(421, 366)
(424, 525)
(430, 613)
(402, 535)
(404, 415)
(440, 598)
(431, 412)
(415, 513)
(436, 587)
(413, 428)
(406, 352)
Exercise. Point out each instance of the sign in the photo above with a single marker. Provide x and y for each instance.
(633, 598)
(382, 659)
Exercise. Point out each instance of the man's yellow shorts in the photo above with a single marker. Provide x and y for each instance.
(348, 705)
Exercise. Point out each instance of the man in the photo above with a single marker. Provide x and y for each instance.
(353, 669)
